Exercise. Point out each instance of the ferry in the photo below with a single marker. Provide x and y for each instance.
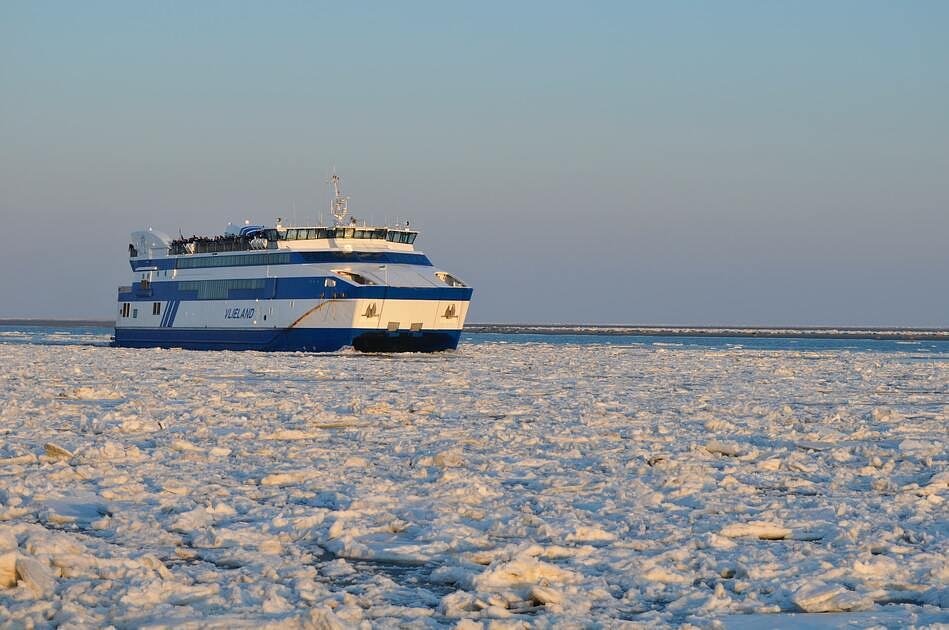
(293, 288)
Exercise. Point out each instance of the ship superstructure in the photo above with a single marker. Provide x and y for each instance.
(291, 288)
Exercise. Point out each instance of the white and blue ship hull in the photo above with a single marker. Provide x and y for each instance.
(307, 325)
(307, 301)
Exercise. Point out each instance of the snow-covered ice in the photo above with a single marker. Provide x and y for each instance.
(520, 485)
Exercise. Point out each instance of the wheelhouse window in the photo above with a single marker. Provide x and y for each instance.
(399, 236)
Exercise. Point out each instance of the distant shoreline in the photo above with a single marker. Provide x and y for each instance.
(776, 332)
(92, 323)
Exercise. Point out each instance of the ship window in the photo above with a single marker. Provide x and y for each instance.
(449, 279)
(233, 261)
(220, 289)
(329, 282)
(134, 313)
(156, 308)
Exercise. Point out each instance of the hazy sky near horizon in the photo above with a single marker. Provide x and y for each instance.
(772, 163)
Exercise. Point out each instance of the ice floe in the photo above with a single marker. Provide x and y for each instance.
(504, 485)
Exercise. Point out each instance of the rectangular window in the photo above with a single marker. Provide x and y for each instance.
(156, 308)
(134, 313)
(239, 260)
(220, 289)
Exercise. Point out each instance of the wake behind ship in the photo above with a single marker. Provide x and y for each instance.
(315, 289)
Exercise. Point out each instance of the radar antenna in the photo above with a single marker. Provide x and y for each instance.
(340, 204)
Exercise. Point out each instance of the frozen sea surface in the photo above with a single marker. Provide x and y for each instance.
(544, 484)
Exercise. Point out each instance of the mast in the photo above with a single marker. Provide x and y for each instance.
(340, 204)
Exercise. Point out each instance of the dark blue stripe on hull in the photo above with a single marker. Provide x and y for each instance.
(288, 339)
(173, 311)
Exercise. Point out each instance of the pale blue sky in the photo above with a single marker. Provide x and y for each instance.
(669, 163)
